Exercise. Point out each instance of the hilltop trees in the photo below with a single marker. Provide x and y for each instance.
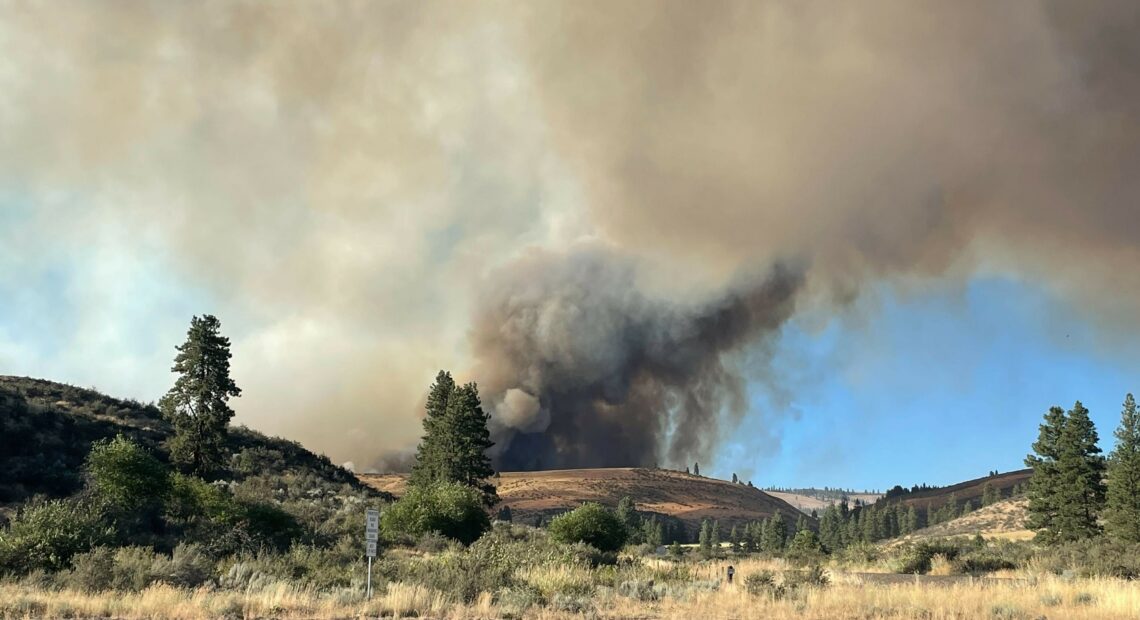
(197, 405)
(456, 439)
(1067, 490)
(1122, 513)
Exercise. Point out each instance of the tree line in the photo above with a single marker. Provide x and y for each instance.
(1076, 493)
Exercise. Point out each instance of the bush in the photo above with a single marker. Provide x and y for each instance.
(92, 571)
(189, 567)
(124, 474)
(812, 577)
(453, 510)
(763, 583)
(592, 524)
(47, 534)
(1099, 557)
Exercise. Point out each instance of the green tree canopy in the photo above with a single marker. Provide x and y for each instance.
(1080, 477)
(123, 473)
(198, 404)
(451, 509)
(456, 439)
(592, 524)
(1122, 513)
(1043, 496)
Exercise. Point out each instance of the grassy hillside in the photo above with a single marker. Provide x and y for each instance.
(671, 494)
(806, 501)
(47, 428)
(968, 490)
(1004, 520)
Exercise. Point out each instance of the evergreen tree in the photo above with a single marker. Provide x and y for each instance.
(990, 494)
(1080, 477)
(1122, 513)
(1043, 486)
(734, 540)
(504, 514)
(696, 469)
(735, 480)
(627, 514)
(456, 439)
(775, 534)
(704, 539)
(910, 521)
(714, 538)
(198, 404)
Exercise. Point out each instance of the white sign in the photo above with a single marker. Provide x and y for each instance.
(371, 530)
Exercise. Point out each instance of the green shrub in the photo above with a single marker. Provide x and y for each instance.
(1099, 557)
(188, 567)
(453, 510)
(47, 534)
(592, 524)
(805, 548)
(764, 583)
(123, 473)
(92, 571)
(640, 589)
(811, 577)
(131, 569)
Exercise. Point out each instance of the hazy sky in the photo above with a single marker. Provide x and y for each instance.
(580, 205)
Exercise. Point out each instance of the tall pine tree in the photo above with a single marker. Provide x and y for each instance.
(1122, 513)
(1080, 468)
(198, 404)
(456, 439)
(1043, 486)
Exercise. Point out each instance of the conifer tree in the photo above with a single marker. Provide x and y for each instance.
(714, 537)
(198, 404)
(1122, 512)
(696, 469)
(1043, 485)
(456, 439)
(1080, 469)
(990, 494)
(704, 539)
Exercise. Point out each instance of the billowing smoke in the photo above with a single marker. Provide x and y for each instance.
(583, 368)
(367, 192)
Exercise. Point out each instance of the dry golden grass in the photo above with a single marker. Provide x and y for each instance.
(849, 596)
(684, 496)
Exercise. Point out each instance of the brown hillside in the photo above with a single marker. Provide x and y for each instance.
(676, 494)
(1004, 519)
(969, 490)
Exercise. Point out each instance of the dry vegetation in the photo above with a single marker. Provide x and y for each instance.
(1002, 520)
(659, 593)
(676, 494)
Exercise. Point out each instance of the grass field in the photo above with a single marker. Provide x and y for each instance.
(702, 594)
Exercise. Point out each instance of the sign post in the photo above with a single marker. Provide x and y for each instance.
(371, 533)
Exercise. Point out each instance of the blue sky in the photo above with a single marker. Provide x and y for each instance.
(935, 387)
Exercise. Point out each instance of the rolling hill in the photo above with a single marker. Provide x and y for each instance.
(1004, 519)
(672, 494)
(47, 428)
(968, 490)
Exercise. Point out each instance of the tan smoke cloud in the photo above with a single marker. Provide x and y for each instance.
(338, 178)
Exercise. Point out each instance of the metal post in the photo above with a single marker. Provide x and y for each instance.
(370, 578)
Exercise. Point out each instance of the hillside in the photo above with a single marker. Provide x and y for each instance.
(968, 490)
(1004, 519)
(807, 502)
(685, 497)
(47, 428)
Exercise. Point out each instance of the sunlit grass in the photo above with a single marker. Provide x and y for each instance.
(702, 594)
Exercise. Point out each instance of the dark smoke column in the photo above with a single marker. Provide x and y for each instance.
(582, 369)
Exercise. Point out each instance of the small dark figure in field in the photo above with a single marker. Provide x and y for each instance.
(731, 572)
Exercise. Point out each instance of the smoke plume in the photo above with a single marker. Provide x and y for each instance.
(585, 369)
(577, 204)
